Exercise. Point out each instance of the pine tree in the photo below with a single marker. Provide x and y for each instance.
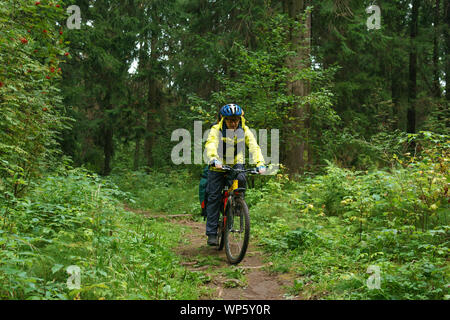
(412, 84)
(98, 72)
(296, 152)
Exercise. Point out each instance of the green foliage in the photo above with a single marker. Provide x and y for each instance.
(376, 196)
(76, 219)
(438, 120)
(330, 228)
(155, 190)
(32, 49)
(96, 83)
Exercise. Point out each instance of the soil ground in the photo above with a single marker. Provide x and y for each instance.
(248, 281)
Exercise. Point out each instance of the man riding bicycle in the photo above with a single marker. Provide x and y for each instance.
(226, 141)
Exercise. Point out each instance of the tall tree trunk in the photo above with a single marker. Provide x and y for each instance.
(137, 151)
(436, 84)
(149, 139)
(397, 66)
(296, 158)
(447, 48)
(395, 94)
(153, 104)
(153, 95)
(108, 147)
(412, 84)
(107, 132)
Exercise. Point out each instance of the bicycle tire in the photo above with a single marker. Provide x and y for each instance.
(244, 217)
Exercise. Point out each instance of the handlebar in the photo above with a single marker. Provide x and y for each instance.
(228, 168)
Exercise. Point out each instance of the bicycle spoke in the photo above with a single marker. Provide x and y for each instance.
(238, 233)
(238, 248)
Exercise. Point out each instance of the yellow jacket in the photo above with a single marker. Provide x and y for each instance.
(217, 142)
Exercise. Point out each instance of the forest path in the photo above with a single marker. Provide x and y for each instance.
(248, 280)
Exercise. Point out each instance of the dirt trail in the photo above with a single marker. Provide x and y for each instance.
(248, 280)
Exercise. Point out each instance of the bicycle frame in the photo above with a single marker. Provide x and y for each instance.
(228, 196)
(234, 186)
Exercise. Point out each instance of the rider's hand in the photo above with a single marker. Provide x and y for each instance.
(217, 164)
(261, 169)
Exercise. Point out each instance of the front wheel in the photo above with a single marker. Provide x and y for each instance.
(237, 231)
(220, 234)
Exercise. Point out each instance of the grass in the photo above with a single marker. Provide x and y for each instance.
(330, 253)
(331, 229)
(326, 230)
(77, 219)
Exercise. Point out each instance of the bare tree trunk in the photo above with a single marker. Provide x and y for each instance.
(395, 94)
(296, 158)
(149, 139)
(447, 49)
(137, 152)
(108, 147)
(436, 84)
(412, 85)
(107, 132)
(152, 98)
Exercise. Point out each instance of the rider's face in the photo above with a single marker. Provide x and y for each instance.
(232, 122)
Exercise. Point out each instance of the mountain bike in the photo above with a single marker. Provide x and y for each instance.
(234, 220)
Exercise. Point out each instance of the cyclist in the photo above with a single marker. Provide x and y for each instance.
(226, 141)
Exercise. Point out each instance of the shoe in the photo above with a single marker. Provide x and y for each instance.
(212, 240)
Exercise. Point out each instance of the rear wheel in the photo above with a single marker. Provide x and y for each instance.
(237, 231)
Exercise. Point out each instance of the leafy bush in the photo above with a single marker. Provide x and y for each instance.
(161, 190)
(77, 219)
(299, 238)
(330, 228)
(31, 50)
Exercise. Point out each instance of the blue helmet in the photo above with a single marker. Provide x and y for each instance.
(231, 110)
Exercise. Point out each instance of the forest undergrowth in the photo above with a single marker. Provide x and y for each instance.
(345, 234)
